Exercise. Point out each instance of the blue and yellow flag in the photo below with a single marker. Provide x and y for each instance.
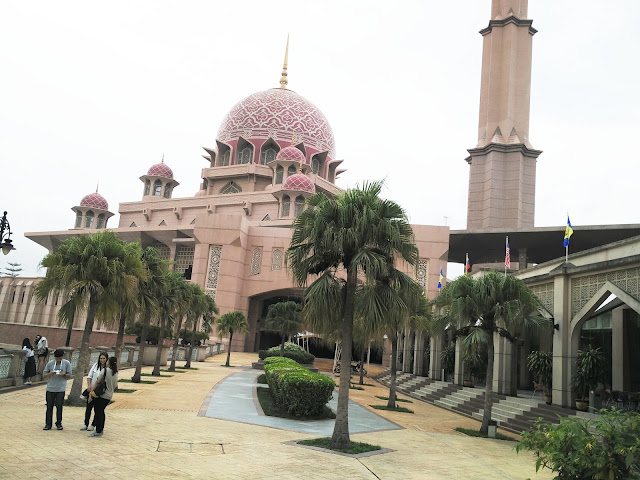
(567, 232)
(440, 280)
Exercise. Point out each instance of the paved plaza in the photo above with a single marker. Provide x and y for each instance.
(204, 424)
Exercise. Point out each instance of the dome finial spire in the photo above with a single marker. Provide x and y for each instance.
(162, 157)
(97, 185)
(283, 79)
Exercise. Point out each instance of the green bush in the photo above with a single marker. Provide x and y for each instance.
(153, 332)
(291, 350)
(606, 447)
(185, 335)
(296, 389)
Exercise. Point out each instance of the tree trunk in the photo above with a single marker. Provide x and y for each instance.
(193, 343)
(172, 367)
(156, 365)
(229, 349)
(143, 340)
(340, 438)
(488, 397)
(282, 346)
(362, 366)
(391, 403)
(120, 336)
(70, 329)
(83, 359)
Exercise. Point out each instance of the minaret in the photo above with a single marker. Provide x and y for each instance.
(502, 176)
(283, 78)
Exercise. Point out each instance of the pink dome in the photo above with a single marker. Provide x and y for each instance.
(161, 170)
(94, 200)
(278, 113)
(291, 154)
(300, 183)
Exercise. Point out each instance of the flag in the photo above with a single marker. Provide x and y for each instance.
(507, 256)
(440, 280)
(567, 232)
(467, 265)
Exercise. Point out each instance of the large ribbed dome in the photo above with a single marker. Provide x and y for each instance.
(279, 114)
(94, 200)
(299, 183)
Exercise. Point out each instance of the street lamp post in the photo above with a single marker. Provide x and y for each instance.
(5, 238)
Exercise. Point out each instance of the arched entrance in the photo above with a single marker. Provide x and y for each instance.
(258, 338)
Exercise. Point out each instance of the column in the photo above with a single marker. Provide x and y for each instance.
(458, 371)
(435, 364)
(617, 349)
(565, 346)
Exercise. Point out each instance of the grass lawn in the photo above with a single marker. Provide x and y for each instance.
(270, 408)
(397, 409)
(397, 399)
(172, 371)
(476, 433)
(355, 387)
(125, 390)
(185, 368)
(128, 380)
(151, 375)
(356, 447)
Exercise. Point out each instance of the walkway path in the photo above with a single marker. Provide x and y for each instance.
(156, 432)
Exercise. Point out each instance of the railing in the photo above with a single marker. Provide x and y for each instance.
(5, 365)
(74, 360)
(124, 357)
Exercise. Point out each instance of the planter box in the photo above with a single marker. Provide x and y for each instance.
(149, 357)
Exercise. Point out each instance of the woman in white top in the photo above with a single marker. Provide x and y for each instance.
(92, 376)
(42, 347)
(30, 367)
(111, 375)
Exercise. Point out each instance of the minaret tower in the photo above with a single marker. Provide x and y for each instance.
(502, 177)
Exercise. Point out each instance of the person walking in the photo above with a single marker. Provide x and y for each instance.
(30, 366)
(42, 349)
(111, 375)
(56, 372)
(92, 376)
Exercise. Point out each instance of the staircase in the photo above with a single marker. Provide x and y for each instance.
(514, 414)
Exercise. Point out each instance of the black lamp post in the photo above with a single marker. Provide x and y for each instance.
(5, 238)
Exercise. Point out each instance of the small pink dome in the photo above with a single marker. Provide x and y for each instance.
(300, 183)
(94, 200)
(161, 170)
(290, 153)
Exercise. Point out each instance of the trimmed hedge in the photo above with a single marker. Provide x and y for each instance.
(296, 389)
(291, 350)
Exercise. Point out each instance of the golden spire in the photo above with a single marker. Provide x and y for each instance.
(283, 79)
(162, 157)
(97, 185)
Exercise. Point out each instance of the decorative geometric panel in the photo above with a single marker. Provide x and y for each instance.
(544, 293)
(256, 260)
(5, 363)
(278, 113)
(584, 288)
(163, 250)
(421, 272)
(184, 258)
(213, 269)
(276, 260)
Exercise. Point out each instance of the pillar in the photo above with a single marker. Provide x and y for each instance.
(617, 349)
(565, 346)
(435, 363)
(406, 353)
(458, 371)
(502, 365)
(418, 355)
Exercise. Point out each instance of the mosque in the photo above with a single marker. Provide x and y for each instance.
(275, 148)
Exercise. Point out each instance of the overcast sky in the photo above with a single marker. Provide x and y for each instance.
(97, 92)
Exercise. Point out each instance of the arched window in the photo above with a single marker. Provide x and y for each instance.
(88, 219)
(167, 190)
(316, 165)
(244, 155)
(147, 187)
(157, 188)
(298, 206)
(268, 156)
(286, 204)
(279, 174)
(224, 158)
(231, 187)
(100, 221)
(78, 219)
(291, 170)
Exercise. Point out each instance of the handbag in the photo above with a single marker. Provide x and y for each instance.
(102, 386)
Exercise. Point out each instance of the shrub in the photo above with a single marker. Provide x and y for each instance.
(185, 335)
(291, 350)
(153, 332)
(295, 388)
(606, 447)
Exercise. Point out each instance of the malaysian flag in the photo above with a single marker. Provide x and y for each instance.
(507, 256)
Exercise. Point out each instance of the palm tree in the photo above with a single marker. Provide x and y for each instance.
(284, 318)
(169, 305)
(202, 306)
(231, 322)
(188, 291)
(93, 269)
(359, 232)
(150, 292)
(478, 308)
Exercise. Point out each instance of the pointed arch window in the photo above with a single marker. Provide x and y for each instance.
(279, 174)
(147, 187)
(157, 188)
(78, 219)
(244, 155)
(268, 156)
(231, 187)
(286, 205)
(291, 170)
(299, 205)
(88, 219)
(316, 165)
(224, 158)
(100, 221)
(167, 190)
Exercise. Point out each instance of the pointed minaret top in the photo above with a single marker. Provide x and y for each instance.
(283, 79)
(162, 157)
(517, 8)
(97, 185)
